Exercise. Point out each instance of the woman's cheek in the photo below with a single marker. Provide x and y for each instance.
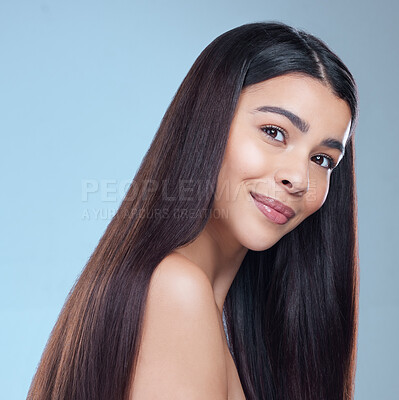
(317, 194)
(249, 161)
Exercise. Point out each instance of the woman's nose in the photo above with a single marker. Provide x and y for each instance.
(293, 178)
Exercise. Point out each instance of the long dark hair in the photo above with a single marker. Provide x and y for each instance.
(291, 312)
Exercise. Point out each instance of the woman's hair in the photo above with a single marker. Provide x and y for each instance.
(291, 312)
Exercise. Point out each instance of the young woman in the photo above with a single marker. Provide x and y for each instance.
(243, 213)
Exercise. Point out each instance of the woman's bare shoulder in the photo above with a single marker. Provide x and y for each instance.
(178, 273)
(182, 348)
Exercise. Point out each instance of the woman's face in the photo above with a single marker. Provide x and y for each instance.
(284, 140)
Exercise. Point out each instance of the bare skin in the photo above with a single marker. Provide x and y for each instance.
(267, 153)
(184, 352)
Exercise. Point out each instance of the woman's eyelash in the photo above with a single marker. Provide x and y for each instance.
(331, 162)
(272, 132)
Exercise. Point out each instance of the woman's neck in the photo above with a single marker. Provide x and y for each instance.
(218, 255)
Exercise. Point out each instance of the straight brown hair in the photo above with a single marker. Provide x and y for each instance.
(291, 312)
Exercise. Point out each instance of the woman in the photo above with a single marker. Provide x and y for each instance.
(227, 218)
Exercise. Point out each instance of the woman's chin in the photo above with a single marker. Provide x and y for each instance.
(260, 243)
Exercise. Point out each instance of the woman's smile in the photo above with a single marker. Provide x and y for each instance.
(272, 208)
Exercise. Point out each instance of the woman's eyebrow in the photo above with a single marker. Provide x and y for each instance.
(302, 125)
(333, 144)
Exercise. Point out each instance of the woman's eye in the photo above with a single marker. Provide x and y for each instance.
(274, 132)
(324, 161)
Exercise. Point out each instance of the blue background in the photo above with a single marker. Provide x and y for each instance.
(83, 88)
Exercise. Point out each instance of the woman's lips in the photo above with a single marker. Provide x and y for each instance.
(272, 208)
